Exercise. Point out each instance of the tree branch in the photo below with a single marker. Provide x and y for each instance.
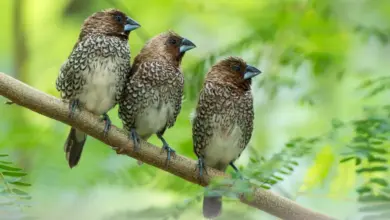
(180, 166)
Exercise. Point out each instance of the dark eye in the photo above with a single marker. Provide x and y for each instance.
(118, 18)
(236, 68)
(172, 41)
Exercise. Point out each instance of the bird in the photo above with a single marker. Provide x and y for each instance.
(222, 123)
(93, 76)
(152, 97)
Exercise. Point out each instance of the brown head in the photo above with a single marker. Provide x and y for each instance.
(233, 71)
(111, 22)
(169, 46)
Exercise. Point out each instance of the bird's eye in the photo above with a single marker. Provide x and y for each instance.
(118, 18)
(236, 68)
(172, 41)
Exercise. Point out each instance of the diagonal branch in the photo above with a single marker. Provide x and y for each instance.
(180, 166)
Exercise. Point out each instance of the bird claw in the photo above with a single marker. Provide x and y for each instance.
(167, 148)
(134, 136)
(170, 152)
(107, 125)
(118, 150)
(73, 105)
(236, 169)
(201, 166)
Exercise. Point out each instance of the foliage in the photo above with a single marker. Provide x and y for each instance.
(310, 52)
(13, 198)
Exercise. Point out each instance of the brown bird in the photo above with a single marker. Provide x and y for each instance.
(223, 120)
(152, 97)
(94, 74)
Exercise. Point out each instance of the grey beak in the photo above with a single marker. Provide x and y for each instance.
(251, 71)
(186, 45)
(131, 25)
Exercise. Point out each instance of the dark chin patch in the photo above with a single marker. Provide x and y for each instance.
(180, 56)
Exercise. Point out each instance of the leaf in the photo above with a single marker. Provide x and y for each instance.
(347, 159)
(20, 183)
(372, 198)
(3, 155)
(376, 159)
(363, 189)
(336, 123)
(14, 174)
(265, 187)
(372, 169)
(19, 192)
(379, 181)
(4, 167)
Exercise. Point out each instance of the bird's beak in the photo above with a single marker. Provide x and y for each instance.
(131, 25)
(251, 71)
(186, 45)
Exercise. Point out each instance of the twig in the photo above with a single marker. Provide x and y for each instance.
(181, 166)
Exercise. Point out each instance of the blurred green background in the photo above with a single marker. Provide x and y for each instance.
(314, 54)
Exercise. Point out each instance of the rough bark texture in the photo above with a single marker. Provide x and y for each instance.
(180, 166)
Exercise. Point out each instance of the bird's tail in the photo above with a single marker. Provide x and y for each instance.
(212, 206)
(74, 146)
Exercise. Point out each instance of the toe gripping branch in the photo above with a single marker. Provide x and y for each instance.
(107, 125)
(170, 152)
(73, 106)
(135, 137)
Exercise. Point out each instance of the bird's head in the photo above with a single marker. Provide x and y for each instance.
(168, 45)
(233, 71)
(111, 22)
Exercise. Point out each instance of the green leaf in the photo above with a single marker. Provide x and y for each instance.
(377, 142)
(372, 159)
(372, 198)
(379, 181)
(4, 167)
(363, 189)
(358, 161)
(16, 174)
(3, 155)
(372, 169)
(347, 159)
(5, 162)
(19, 192)
(265, 187)
(20, 183)
(336, 123)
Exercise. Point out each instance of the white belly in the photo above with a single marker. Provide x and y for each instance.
(98, 95)
(223, 147)
(153, 120)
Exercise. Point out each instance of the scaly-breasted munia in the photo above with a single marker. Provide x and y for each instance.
(94, 74)
(152, 96)
(223, 120)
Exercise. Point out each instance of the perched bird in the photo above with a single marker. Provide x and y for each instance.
(94, 74)
(152, 96)
(223, 121)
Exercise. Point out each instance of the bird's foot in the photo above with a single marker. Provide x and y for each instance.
(236, 169)
(118, 150)
(135, 137)
(73, 105)
(107, 125)
(170, 152)
(201, 167)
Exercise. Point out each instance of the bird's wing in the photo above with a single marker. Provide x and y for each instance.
(176, 90)
(70, 79)
(203, 122)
